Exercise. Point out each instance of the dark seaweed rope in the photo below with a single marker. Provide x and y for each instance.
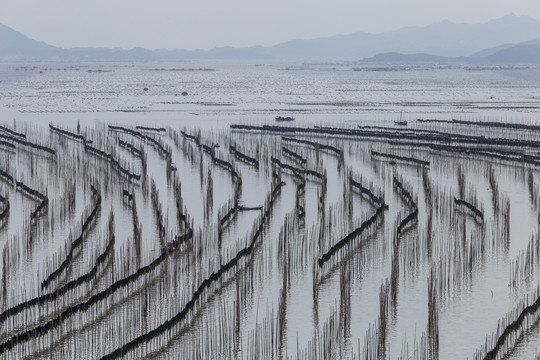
(12, 132)
(27, 143)
(71, 310)
(470, 206)
(247, 159)
(205, 284)
(74, 245)
(40, 300)
(151, 128)
(513, 326)
(67, 133)
(401, 158)
(20, 186)
(128, 131)
(113, 162)
(442, 137)
(227, 165)
(4, 212)
(376, 199)
(293, 155)
(297, 171)
(410, 201)
(356, 232)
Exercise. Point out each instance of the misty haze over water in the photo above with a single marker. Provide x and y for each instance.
(355, 196)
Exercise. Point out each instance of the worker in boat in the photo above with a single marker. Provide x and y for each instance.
(240, 204)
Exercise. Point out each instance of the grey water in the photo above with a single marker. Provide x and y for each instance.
(477, 288)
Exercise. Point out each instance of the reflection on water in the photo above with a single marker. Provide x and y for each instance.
(446, 279)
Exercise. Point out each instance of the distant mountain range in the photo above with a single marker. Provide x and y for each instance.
(510, 39)
(507, 54)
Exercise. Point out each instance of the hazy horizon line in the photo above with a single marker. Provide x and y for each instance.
(273, 44)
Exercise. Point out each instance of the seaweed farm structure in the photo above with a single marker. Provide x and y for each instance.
(255, 241)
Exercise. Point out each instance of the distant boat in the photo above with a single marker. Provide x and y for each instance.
(400, 122)
(241, 207)
(247, 208)
(286, 118)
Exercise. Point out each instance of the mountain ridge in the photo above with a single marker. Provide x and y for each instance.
(443, 39)
(524, 53)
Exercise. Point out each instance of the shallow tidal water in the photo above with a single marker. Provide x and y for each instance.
(278, 301)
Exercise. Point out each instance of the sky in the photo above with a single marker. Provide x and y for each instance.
(205, 24)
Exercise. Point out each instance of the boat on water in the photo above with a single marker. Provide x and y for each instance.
(240, 206)
(400, 121)
(247, 208)
(286, 118)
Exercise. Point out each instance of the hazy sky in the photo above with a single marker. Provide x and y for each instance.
(203, 24)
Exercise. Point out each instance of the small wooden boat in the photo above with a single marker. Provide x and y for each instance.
(247, 208)
(400, 121)
(286, 118)
(241, 207)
